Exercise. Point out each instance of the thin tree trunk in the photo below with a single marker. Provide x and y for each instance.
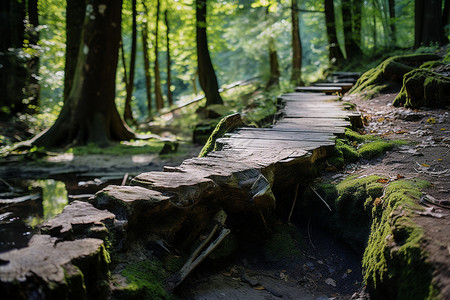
(32, 90)
(351, 48)
(124, 63)
(357, 18)
(145, 49)
(335, 53)
(158, 93)
(296, 77)
(169, 62)
(127, 113)
(206, 75)
(274, 79)
(446, 16)
(392, 22)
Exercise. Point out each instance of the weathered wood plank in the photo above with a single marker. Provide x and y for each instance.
(318, 89)
(282, 135)
(270, 145)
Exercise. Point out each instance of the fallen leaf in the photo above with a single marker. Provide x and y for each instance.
(440, 159)
(330, 281)
(400, 176)
(425, 165)
(443, 129)
(377, 201)
(259, 287)
(380, 119)
(431, 120)
(401, 132)
(349, 271)
(382, 180)
(227, 274)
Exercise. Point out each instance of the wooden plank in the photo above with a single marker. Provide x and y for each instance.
(346, 86)
(292, 127)
(318, 89)
(309, 96)
(271, 145)
(282, 135)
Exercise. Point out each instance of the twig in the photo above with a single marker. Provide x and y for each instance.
(7, 184)
(125, 178)
(326, 204)
(309, 234)
(293, 204)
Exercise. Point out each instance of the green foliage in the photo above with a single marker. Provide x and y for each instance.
(374, 149)
(354, 136)
(284, 243)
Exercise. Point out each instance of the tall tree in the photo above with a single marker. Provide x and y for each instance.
(351, 47)
(127, 113)
(274, 80)
(335, 53)
(392, 21)
(158, 92)
(296, 77)
(169, 59)
(145, 50)
(428, 23)
(206, 75)
(75, 11)
(13, 71)
(89, 114)
(446, 17)
(32, 33)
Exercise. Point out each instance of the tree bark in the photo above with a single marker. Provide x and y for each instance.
(13, 72)
(148, 78)
(446, 16)
(392, 22)
(428, 23)
(127, 112)
(33, 87)
(296, 77)
(351, 47)
(335, 53)
(89, 114)
(169, 62)
(206, 75)
(274, 79)
(75, 11)
(158, 93)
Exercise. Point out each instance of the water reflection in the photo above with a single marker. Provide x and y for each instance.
(24, 205)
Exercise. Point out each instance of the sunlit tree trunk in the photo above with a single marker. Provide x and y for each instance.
(428, 23)
(296, 77)
(89, 114)
(206, 75)
(158, 93)
(169, 62)
(75, 11)
(32, 90)
(13, 72)
(335, 53)
(274, 80)
(145, 50)
(127, 113)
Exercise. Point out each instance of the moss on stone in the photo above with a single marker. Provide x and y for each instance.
(374, 149)
(389, 73)
(357, 137)
(227, 124)
(394, 261)
(424, 88)
(349, 153)
(145, 280)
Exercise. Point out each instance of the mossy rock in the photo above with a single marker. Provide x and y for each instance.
(424, 88)
(374, 149)
(227, 124)
(395, 263)
(283, 244)
(349, 153)
(389, 73)
(354, 136)
(145, 280)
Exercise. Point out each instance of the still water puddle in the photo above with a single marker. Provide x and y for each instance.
(26, 205)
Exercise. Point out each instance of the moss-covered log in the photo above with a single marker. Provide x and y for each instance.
(389, 74)
(424, 88)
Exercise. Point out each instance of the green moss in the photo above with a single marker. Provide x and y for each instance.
(284, 243)
(227, 124)
(394, 261)
(357, 137)
(374, 149)
(432, 64)
(145, 280)
(349, 153)
(424, 88)
(389, 73)
(124, 148)
(349, 105)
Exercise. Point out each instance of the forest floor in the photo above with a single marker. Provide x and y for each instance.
(327, 269)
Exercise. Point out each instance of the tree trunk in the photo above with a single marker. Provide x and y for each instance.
(206, 75)
(296, 77)
(145, 49)
(335, 53)
(357, 24)
(274, 79)
(392, 22)
(169, 62)
(351, 47)
(32, 90)
(89, 114)
(75, 11)
(446, 17)
(428, 23)
(127, 113)
(158, 93)
(13, 73)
